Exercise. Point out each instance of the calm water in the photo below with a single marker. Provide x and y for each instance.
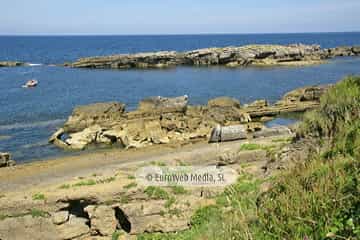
(29, 116)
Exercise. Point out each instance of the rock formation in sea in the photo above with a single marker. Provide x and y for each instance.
(160, 120)
(11, 64)
(250, 55)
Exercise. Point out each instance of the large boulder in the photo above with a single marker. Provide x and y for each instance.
(153, 216)
(224, 102)
(228, 133)
(5, 160)
(75, 227)
(98, 113)
(102, 218)
(160, 104)
(224, 110)
(80, 140)
(271, 132)
(312, 93)
(258, 104)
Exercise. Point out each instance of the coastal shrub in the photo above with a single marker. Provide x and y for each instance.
(313, 201)
(336, 122)
(205, 214)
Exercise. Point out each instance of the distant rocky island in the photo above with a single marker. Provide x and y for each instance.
(241, 56)
(232, 56)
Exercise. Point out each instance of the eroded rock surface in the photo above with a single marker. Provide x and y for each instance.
(160, 120)
(261, 55)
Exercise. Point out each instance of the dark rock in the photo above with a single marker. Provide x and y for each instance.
(11, 64)
(5, 160)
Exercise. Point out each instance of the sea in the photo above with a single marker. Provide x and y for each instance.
(29, 116)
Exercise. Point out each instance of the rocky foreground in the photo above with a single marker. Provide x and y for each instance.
(172, 121)
(251, 55)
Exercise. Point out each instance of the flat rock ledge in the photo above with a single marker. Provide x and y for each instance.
(250, 55)
(160, 120)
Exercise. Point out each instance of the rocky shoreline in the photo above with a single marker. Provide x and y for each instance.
(250, 55)
(160, 120)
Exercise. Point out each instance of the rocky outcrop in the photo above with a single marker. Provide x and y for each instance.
(258, 55)
(5, 160)
(344, 51)
(160, 120)
(298, 100)
(11, 64)
(86, 116)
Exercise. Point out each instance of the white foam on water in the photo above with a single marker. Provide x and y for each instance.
(35, 64)
(32, 125)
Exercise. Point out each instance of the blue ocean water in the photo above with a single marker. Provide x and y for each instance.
(29, 116)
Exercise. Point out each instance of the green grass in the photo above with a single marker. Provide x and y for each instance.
(116, 235)
(131, 177)
(250, 147)
(156, 193)
(178, 190)
(89, 182)
(160, 164)
(170, 201)
(130, 185)
(35, 213)
(65, 186)
(313, 201)
(38, 197)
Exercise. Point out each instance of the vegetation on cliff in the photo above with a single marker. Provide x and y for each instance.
(317, 199)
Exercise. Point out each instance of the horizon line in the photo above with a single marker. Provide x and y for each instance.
(164, 34)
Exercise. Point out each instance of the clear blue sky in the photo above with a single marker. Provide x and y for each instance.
(177, 16)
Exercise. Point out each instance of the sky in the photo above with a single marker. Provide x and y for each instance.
(124, 17)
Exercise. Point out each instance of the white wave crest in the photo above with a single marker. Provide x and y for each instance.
(34, 64)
